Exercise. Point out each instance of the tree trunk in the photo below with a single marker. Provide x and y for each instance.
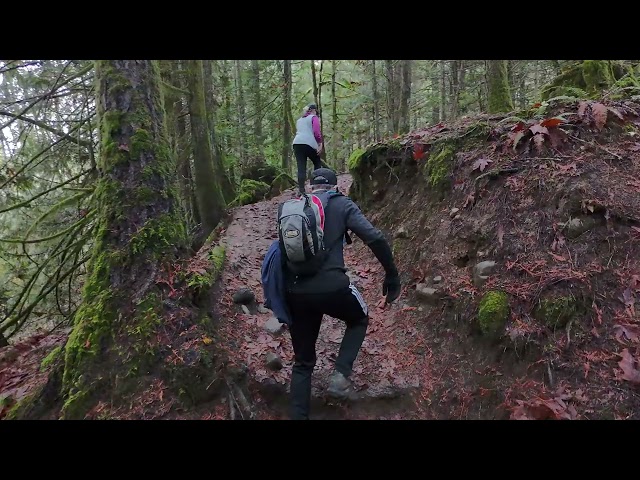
(286, 117)
(443, 92)
(435, 89)
(336, 140)
(317, 92)
(257, 109)
(228, 190)
(376, 102)
(242, 144)
(208, 192)
(406, 96)
(498, 87)
(391, 97)
(139, 230)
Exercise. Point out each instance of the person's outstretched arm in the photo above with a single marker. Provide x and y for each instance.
(374, 239)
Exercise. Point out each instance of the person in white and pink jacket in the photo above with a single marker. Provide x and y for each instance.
(307, 144)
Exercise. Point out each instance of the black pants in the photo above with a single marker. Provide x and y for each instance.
(307, 311)
(304, 152)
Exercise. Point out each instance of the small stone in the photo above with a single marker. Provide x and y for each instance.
(437, 279)
(482, 271)
(456, 217)
(401, 233)
(262, 309)
(245, 310)
(428, 294)
(453, 212)
(243, 296)
(273, 361)
(274, 326)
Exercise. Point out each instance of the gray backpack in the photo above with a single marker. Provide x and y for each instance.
(301, 232)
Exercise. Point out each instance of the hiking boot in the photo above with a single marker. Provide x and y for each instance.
(340, 387)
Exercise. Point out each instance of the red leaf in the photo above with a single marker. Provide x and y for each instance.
(599, 114)
(408, 309)
(418, 151)
(481, 163)
(552, 122)
(627, 364)
(537, 105)
(518, 127)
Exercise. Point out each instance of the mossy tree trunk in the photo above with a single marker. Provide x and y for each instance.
(257, 109)
(376, 102)
(208, 192)
(498, 89)
(317, 97)
(217, 152)
(336, 143)
(287, 126)
(176, 125)
(139, 230)
(405, 96)
(241, 116)
(443, 92)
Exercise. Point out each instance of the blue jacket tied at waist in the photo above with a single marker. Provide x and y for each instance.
(273, 284)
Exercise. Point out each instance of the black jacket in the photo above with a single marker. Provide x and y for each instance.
(342, 214)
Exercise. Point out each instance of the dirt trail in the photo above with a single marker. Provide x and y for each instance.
(393, 369)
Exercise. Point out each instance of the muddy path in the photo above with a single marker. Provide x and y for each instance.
(393, 371)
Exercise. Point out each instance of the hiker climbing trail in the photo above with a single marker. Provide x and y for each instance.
(391, 368)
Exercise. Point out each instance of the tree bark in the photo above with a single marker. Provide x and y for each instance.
(336, 143)
(242, 144)
(257, 109)
(376, 102)
(286, 117)
(139, 229)
(217, 152)
(208, 192)
(498, 87)
(406, 96)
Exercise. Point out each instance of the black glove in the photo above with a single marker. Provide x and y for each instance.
(391, 287)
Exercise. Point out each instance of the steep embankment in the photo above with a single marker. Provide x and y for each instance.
(532, 226)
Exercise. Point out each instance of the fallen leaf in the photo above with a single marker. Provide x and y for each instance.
(481, 164)
(615, 112)
(538, 141)
(582, 108)
(599, 114)
(537, 128)
(500, 234)
(207, 340)
(516, 138)
(552, 122)
(559, 258)
(518, 127)
(627, 364)
(628, 331)
(408, 309)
